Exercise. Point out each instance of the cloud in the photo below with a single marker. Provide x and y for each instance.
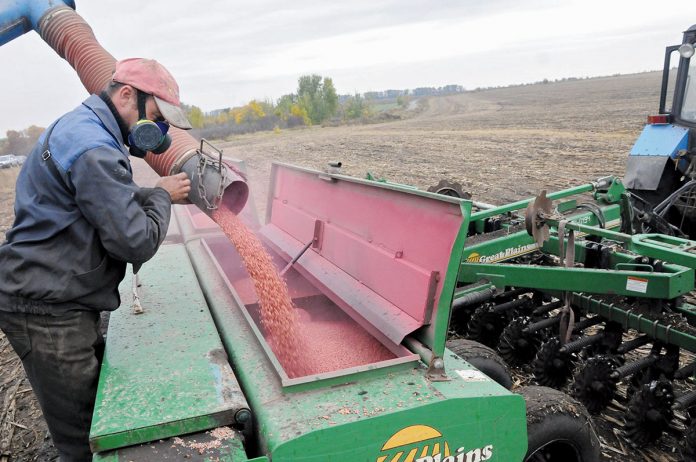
(226, 53)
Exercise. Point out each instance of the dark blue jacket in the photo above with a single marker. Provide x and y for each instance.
(68, 248)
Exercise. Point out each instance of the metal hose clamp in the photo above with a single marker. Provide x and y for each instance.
(204, 161)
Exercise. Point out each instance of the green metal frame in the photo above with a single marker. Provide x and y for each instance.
(632, 283)
(521, 243)
(482, 261)
(655, 328)
(485, 264)
(359, 416)
(444, 308)
(519, 205)
(669, 248)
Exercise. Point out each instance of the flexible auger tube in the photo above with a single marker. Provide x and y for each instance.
(73, 39)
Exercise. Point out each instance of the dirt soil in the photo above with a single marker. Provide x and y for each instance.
(501, 145)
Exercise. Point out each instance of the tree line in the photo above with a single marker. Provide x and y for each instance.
(315, 102)
(20, 142)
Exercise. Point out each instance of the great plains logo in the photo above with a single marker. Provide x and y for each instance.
(421, 443)
(475, 257)
(506, 254)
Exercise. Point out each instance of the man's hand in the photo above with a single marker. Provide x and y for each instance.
(178, 186)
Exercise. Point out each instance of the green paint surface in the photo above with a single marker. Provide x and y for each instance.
(353, 420)
(165, 371)
(356, 422)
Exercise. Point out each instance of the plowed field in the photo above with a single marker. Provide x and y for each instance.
(501, 145)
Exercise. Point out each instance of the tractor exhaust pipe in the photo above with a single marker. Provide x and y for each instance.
(214, 183)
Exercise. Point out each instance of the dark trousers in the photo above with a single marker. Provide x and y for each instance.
(61, 356)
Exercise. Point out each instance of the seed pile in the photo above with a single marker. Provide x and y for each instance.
(339, 345)
(218, 437)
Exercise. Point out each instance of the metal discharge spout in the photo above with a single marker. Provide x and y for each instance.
(213, 182)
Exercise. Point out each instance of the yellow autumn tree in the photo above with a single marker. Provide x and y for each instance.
(196, 117)
(299, 111)
(250, 112)
(256, 110)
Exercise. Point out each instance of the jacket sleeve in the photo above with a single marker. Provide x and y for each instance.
(131, 222)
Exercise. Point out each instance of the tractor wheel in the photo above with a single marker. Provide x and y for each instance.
(559, 429)
(482, 358)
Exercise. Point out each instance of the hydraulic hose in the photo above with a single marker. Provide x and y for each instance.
(73, 39)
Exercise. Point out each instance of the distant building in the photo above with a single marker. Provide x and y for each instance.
(421, 91)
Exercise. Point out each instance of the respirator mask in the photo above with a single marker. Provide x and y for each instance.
(147, 135)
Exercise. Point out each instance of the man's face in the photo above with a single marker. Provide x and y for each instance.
(151, 110)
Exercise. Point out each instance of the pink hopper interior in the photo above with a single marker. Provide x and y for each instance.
(378, 251)
(373, 272)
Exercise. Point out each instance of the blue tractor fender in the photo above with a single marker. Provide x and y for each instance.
(655, 146)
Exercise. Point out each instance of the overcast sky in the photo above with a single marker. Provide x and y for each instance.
(225, 53)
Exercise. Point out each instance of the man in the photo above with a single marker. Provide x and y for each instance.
(79, 218)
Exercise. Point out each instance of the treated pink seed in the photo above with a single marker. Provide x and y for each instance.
(303, 347)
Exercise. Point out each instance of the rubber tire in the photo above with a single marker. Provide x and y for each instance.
(555, 417)
(482, 358)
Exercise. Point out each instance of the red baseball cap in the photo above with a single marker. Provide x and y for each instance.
(149, 76)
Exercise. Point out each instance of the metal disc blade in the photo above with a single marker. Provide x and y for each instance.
(534, 221)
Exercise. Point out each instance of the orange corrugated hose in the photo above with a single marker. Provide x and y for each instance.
(72, 38)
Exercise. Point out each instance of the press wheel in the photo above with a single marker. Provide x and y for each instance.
(486, 326)
(649, 412)
(593, 384)
(551, 367)
(516, 347)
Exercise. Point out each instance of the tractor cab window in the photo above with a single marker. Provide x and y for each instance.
(688, 111)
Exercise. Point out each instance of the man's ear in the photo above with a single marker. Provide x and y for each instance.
(123, 99)
(126, 103)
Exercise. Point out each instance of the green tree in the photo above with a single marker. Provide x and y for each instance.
(284, 105)
(329, 98)
(402, 101)
(317, 96)
(356, 107)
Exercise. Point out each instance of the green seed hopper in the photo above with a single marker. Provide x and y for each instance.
(194, 377)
